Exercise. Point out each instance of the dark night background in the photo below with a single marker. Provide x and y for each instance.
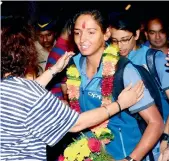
(31, 9)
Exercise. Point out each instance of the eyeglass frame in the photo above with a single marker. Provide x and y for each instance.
(117, 41)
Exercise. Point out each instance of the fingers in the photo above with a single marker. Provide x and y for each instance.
(127, 88)
(140, 93)
(160, 157)
(140, 97)
(69, 54)
(65, 55)
(140, 89)
(138, 86)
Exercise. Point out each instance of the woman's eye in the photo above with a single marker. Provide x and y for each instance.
(91, 33)
(76, 33)
(124, 40)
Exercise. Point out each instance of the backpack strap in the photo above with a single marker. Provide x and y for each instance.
(118, 84)
(149, 81)
(150, 60)
(150, 84)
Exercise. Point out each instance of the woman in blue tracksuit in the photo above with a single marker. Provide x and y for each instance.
(90, 34)
(124, 25)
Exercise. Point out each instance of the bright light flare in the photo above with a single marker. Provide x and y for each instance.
(128, 7)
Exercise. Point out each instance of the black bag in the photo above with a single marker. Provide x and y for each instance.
(150, 61)
(149, 83)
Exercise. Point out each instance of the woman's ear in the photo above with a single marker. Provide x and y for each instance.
(137, 34)
(107, 34)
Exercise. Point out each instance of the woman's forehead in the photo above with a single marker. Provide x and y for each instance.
(85, 21)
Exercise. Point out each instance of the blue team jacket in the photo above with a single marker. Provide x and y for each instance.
(124, 127)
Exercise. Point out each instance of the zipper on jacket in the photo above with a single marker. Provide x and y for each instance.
(122, 143)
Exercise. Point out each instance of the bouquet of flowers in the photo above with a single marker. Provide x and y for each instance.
(85, 149)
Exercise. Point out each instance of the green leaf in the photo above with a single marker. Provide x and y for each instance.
(106, 136)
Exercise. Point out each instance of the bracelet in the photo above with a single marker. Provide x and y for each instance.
(165, 137)
(129, 158)
(107, 111)
(119, 106)
(53, 73)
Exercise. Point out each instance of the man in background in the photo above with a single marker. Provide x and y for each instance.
(64, 42)
(156, 32)
(45, 34)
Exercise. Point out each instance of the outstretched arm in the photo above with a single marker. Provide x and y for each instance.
(129, 96)
(44, 79)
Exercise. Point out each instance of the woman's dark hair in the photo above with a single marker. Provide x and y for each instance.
(124, 21)
(18, 53)
(99, 16)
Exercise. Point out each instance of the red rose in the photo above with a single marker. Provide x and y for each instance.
(88, 159)
(94, 145)
(75, 105)
(61, 158)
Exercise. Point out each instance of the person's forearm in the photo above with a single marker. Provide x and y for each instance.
(46, 77)
(94, 117)
(148, 140)
(56, 68)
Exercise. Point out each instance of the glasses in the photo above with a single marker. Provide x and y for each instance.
(123, 41)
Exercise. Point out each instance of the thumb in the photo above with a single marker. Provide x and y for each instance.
(65, 55)
(68, 55)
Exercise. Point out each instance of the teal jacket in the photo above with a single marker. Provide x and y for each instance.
(123, 126)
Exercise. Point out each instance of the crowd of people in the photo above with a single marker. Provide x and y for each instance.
(36, 108)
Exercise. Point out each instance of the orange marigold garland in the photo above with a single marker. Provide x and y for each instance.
(73, 85)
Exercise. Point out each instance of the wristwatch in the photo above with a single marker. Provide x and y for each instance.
(129, 158)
